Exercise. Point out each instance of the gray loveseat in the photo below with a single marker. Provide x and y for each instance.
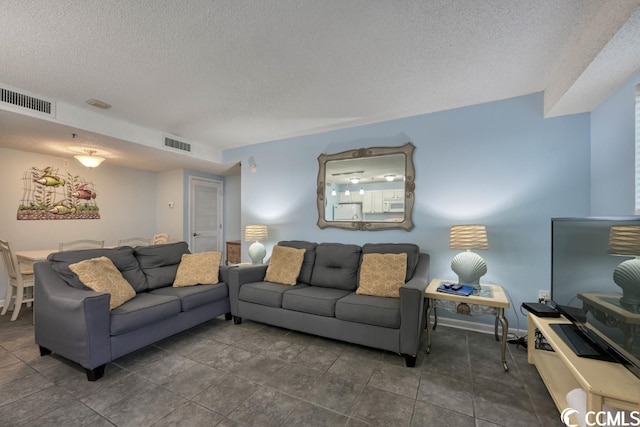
(75, 322)
(324, 301)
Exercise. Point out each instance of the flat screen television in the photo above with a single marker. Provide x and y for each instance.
(584, 290)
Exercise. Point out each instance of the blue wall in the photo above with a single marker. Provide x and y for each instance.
(613, 152)
(500, 164)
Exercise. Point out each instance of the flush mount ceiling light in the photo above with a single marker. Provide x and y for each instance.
(389, 177)
(90, 160)
(98, 104)
(354, 180)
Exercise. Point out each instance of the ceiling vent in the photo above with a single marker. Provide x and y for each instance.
(27, 102)
(176, 144)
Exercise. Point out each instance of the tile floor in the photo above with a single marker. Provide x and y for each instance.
(220, 374)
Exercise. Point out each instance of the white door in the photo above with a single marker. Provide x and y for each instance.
(205, 205)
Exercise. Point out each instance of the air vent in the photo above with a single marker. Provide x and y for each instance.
(178, 145)
(28, 102)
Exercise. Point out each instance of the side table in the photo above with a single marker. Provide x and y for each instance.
(489, 300)
(233, 252)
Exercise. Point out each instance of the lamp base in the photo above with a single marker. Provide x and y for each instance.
(469, 267)
(257, 252)
(627, 276)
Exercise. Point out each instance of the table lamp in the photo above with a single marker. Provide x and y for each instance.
(468, 265)
(255, 233)
(624, 240)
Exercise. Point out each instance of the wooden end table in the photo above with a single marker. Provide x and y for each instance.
(489, 300)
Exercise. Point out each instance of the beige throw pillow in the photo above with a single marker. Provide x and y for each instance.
(198, 269)
(284, 265)
(382, 275)
(101, 275)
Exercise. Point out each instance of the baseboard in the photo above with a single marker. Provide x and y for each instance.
(473, 326)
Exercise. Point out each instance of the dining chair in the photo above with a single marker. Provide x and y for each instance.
(20, 278)
(134, 241)
(160, 238)
(80, 244)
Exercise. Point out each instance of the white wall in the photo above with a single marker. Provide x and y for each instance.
(126, 198)
(613, 152)
(171, 190)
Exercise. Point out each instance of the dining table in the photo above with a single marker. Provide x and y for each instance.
(33, 256)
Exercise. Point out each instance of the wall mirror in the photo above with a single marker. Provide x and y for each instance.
(367, 189)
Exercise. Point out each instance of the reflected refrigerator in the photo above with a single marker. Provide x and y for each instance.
(347, 212)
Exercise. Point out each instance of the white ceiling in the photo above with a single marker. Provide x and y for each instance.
(229, 73)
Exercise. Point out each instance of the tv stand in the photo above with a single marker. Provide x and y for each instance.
(605, 383)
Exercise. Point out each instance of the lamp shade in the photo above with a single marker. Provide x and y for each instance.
(468, 237)
(624, 240)
(256, 232)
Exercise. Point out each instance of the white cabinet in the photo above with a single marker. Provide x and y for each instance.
(372, 202)
(356, 197)
(366, 202)
(353, 197)
(393, 195)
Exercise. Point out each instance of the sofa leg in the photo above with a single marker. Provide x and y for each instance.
(410, 361)
(237, 320)
(227, 316)
(96, 373)
(44, 351)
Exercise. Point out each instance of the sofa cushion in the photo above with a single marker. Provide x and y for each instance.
(284, 265)
(382, 275)
(198, 269)
(122, 258)
(313, 299)
(101, 275)
(159, 263)
(309, 257)
(412, 251)
(144, 309)
(336, 266)
(195, 296)
(265, 293)
(370, 310)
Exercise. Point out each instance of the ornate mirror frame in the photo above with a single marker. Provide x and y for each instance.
(409, 188)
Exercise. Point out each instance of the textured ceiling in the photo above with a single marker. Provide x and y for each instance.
(231, 73)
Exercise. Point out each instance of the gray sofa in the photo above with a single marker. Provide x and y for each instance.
(75, 322)
(324, 301)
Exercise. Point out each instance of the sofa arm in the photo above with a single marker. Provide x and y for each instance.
(71, 322)
(238, 276)
(223, 274)
(412, 308)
